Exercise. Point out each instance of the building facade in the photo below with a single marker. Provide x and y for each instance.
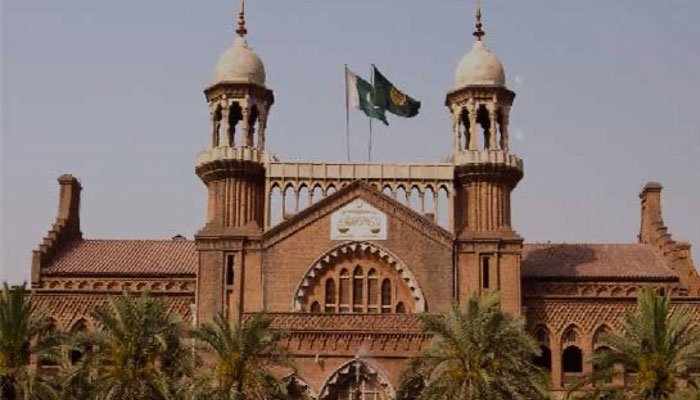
(344, 256)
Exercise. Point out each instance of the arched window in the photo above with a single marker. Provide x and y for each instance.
(344, 291)
(482, 120)
(75, 354)
(386, 296)
(572, 360)
(544, 360)
(315, 307)
(570, 335)
(49, 361)
(216, 127)
(464, 129)
(235, 115)
(400, 308)
(599, 335)
(372, 291)
(252, 120)
(330, 295)
(357, 289)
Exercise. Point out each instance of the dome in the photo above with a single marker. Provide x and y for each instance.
(479, 67)
(239, 63)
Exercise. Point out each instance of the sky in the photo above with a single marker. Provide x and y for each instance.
(111, 92)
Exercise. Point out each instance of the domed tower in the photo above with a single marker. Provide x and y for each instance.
(233, 169)
(485, 174)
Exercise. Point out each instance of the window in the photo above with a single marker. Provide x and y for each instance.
(229, 270)
(315, 307)
(485, 272)
(79, 327)
(357, 290)
(372, 292)
(360, 289)
(330, 295)
(344, 291)
(572, 360)
(386, 296)
(235, 115)
(400, 308)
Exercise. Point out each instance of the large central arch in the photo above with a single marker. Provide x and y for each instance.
(357, 375)
(330, 257)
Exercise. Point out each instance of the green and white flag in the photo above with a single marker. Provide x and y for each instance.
(359, 94)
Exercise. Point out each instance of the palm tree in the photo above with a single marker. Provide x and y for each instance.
(482, 353)
(656, 343)
(138, 353)
(23, 331)
(242, 355)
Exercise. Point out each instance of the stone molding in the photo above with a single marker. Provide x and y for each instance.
(537, 289)
(355, 190)
(480, 92)
(235, 161)
(225, 153)
(488, 157)
(588, 313)
(348, 323)
(65, 309)
(115, 284)
(238, 90)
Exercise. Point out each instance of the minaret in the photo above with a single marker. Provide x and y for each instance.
(488, 249)
(233, 169)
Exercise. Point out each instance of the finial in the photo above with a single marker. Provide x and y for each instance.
(241, 30)
(478, 32)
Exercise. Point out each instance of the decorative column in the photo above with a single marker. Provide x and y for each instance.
(262, 125)
(493, 128)
(505, 119)
(215, 126)
(225, 136)
(245, 112)
(435, 204)
(556, 364)
(456, 112)
(473, 143)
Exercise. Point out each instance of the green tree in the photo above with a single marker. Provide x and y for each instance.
(137, 354)
(243, 356)
(481, 353)
(23, 331)
(660, 345)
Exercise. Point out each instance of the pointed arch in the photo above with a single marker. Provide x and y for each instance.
(571, 335)
(329, 258)
(598, 332)
(352, 371)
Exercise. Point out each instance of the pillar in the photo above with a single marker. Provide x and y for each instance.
(456, 113)
(473, 143)
(245, 129)
(225, 130)
(505, 119)
(556, 364)
(493, 128)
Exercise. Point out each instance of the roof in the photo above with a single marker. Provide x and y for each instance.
(125, 257)
(593, 261)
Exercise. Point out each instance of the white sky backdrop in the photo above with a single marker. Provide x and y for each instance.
(111, 91)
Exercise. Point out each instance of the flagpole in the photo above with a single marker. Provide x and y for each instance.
(369, 148)
(347, 114)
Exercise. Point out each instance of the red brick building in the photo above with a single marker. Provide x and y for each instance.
(345, 255)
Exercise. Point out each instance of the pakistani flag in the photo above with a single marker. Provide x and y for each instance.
(389, 97)
(359, 95)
